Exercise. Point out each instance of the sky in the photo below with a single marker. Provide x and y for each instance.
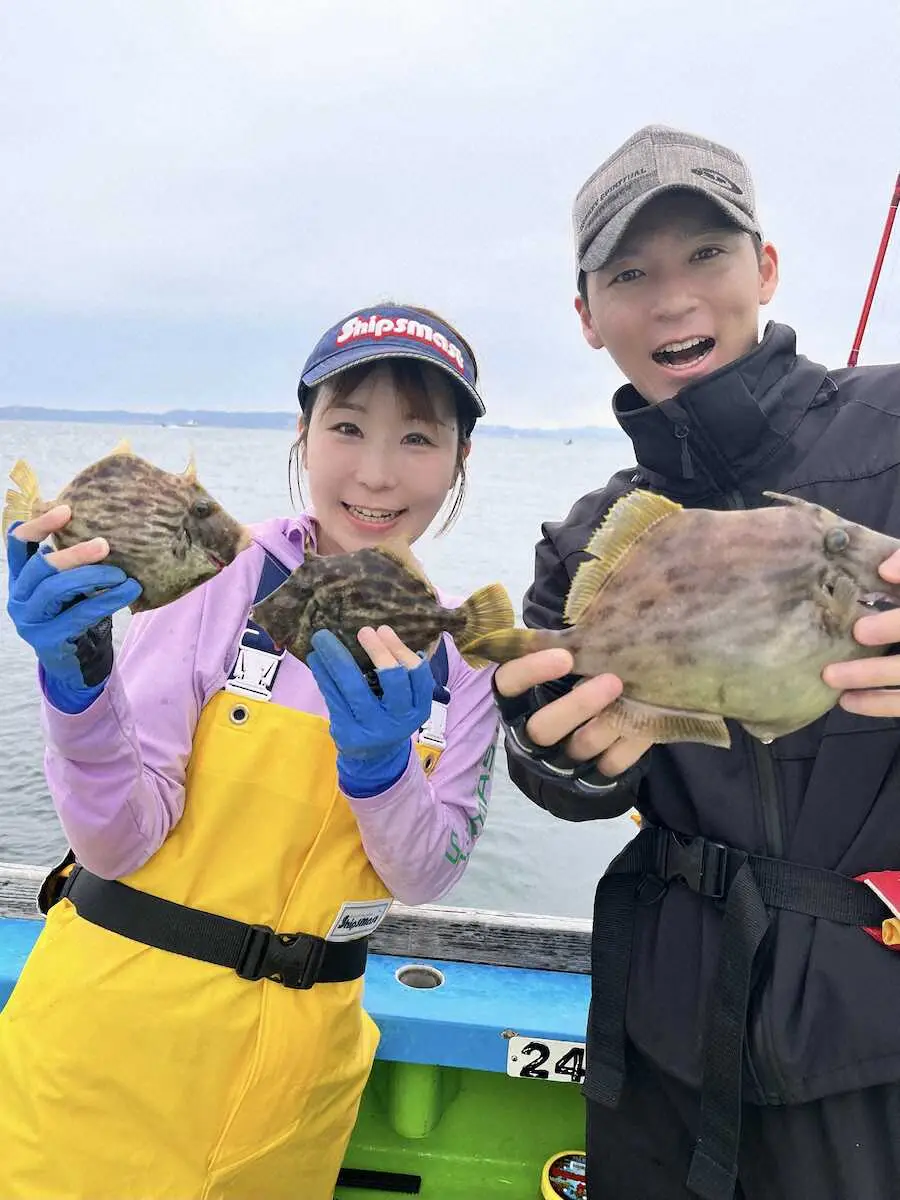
(193, 192)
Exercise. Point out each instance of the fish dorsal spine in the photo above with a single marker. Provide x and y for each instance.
(398, 549)
(630, 518)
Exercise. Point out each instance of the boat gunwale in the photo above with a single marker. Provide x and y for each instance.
(427, 931)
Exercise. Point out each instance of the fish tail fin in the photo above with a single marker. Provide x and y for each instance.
(26, 502)
(504, 644)
(486, 611)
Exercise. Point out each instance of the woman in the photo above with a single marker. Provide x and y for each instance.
(149, 1050)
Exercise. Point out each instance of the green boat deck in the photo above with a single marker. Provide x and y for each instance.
(458, 1133)
(440, 1108)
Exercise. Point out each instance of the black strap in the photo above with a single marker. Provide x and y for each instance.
(296, 960)
(745, 885)
(713, 1171)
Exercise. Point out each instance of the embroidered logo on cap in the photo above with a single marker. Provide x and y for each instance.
(403, 327)
(715, 177)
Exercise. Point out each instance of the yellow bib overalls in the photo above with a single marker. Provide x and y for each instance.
(130, 1072)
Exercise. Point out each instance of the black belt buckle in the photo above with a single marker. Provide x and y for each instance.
(700, 864)
(291, 959)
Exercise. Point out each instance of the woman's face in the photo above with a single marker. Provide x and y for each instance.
(373, 470)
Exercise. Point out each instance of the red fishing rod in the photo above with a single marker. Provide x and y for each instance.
(876, 271)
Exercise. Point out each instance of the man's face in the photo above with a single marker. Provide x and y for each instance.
(680, 296)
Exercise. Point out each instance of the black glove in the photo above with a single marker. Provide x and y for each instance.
(552, 762)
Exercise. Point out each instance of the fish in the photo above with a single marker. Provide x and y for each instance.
(378, 585)
(164, 530)
(707, 615)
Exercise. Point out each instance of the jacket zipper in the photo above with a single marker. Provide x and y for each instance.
(769, 1076)
(770, 797)
(687, 463)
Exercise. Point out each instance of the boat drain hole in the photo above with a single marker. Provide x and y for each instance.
(419, 977)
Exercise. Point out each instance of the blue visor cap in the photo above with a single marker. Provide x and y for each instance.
(392, 332)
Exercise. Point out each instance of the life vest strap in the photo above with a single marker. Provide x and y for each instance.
(295, 960)
(744, 886)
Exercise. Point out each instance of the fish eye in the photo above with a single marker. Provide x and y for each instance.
(201, 508)
(836, 540)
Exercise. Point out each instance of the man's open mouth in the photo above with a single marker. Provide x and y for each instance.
(684, 354)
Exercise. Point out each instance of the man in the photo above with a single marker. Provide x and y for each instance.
(743, 1036)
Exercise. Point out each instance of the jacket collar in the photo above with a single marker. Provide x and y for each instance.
(714, 433)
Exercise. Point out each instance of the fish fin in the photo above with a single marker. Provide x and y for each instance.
(399, 550)
(245, 540)
(630, 518)
(796, 501)
(475, 661)
(190, 471)
(486, 611)
(122, 447)
(838, 607)
(26, 502)
(588, 583)
(503, 644)
(636, 718)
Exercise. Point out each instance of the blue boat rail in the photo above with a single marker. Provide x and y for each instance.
(470, 935)
(451, 986)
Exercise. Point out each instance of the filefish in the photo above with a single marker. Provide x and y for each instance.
(381, 585)
(164, 530)
(708, 615)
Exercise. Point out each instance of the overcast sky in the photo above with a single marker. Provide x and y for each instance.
(192, 192)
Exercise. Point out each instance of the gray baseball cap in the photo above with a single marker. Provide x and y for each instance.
(655, 160)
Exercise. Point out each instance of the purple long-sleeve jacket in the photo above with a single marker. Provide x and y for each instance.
(116, 771)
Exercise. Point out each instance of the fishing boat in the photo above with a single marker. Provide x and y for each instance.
(475, 1088)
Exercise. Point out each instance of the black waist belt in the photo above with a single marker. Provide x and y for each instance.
(744, 885)
(296, 960)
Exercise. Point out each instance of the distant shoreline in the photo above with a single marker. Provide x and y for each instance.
(201, 418)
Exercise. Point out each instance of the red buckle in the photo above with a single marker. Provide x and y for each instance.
(886, 886)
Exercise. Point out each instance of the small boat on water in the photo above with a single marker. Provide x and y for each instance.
(475, 1087)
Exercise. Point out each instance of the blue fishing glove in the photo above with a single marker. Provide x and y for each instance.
(372, 733)
(66, 618)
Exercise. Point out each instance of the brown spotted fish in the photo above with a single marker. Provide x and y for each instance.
(383, 585)
(705, 615)
(163, 530)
